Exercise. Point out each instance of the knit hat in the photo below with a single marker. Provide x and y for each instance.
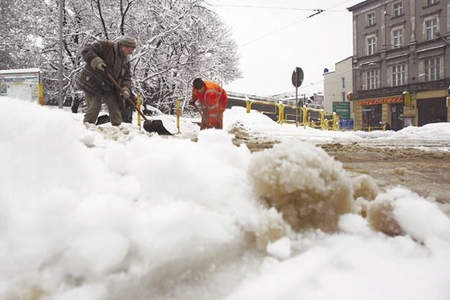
(128, 41)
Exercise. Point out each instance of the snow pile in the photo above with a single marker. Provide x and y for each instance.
(84, 209)
(433, 131)
(436, 134)
(364, 187)
(304, 183)
(351, 267)
(362, 264)
(381, 218)
(255, 120)
(401, 210)
(112, 213)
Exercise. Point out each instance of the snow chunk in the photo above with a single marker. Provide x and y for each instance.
(304, 183)
(280, 249)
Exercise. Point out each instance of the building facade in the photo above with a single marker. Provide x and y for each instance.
(401, 62)
(337, 86)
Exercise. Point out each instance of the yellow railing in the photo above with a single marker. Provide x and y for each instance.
(41, 93)
(274, 105)
(138, 105)
(300, 115)
(323, 121)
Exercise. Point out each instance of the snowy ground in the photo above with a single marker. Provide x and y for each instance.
(116, 213)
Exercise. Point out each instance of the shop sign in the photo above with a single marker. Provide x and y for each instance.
(382, 100)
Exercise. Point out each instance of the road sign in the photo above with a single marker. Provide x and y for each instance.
(297, 77)
(342, 109)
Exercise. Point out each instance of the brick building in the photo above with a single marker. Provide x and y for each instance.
(400, 50)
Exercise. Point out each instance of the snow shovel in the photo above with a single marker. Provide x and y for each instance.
(205, 122)
(202, 124)
(102, 119)
(149, 125)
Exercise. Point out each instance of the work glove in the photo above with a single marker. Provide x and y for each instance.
(97, 63)
(193, 102)
(193, 99)
(125, 93)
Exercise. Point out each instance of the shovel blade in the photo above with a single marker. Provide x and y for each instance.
(102, 119)
(156, 126)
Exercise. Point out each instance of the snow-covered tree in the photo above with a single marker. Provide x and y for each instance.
(20, 43)
(178, 40)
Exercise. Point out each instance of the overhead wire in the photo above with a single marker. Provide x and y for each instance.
(263, 7)
(246, 6)
(317, 11)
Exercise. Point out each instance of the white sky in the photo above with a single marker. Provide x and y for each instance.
(272, 42)
(106, 213)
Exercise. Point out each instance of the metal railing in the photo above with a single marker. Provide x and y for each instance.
(304, 116)
(301, 116)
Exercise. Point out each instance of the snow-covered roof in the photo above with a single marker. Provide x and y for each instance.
(20, 71)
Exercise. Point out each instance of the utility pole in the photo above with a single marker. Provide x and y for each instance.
(60, 54)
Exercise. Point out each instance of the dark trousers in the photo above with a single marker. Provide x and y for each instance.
(94, 104)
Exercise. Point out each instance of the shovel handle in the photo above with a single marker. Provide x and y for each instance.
(205, 122)
(119, 89)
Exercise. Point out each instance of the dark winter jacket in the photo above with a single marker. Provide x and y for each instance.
(94, 81)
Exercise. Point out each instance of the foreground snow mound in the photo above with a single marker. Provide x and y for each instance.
(401, 211)
(87, 210)
(304, 183)
(360, 263)
(112, 213)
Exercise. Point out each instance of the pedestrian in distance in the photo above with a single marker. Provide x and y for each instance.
(213, 101)
(103, 58)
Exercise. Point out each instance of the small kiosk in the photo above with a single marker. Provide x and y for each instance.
(24, 84)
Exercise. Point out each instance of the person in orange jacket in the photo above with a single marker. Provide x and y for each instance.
(213, 101)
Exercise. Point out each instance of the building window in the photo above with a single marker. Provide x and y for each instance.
(432, 68)
(397, 37)
(371, 80)
(431, 28)
(371, 19)
(430, 2)
(371, 45)
(343, 82)
(399, 75)
(343, 96)
(398, 8)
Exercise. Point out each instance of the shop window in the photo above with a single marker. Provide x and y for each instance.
(371, 117)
